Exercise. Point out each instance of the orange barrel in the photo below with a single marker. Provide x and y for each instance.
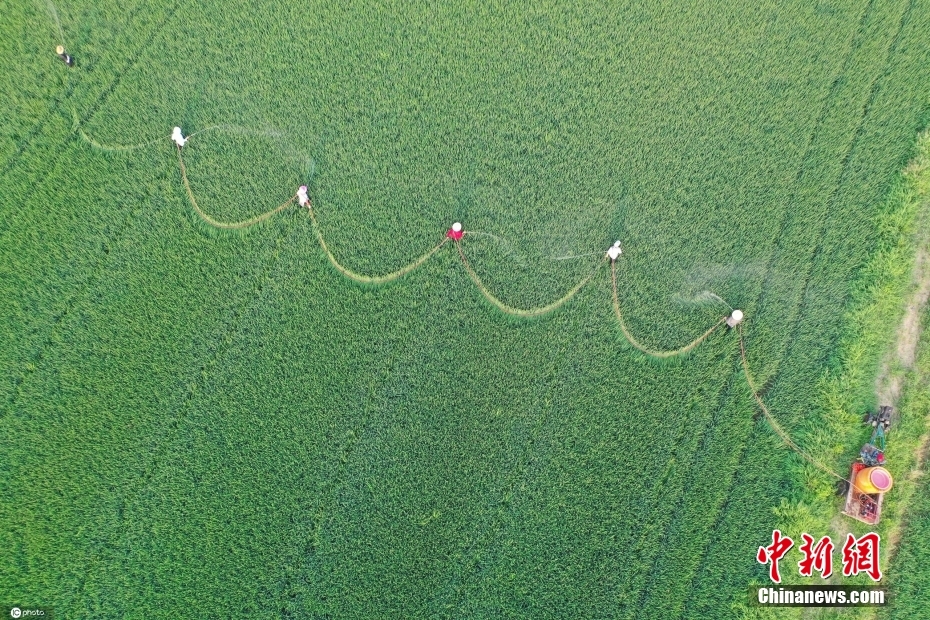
(874, 480)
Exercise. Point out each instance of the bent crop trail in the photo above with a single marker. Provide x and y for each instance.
(76, 124)
(771, 419)
(496, 302)
(226, 225)
(773, 423)
(500, 305)
(641, 347)
(358, 277)
(531, 312)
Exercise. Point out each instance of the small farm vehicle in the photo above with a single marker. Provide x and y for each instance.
(868, 479)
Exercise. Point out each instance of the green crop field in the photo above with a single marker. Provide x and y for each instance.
(198, 422)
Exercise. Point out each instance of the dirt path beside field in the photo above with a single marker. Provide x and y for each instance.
(889, 381)
(901, 358)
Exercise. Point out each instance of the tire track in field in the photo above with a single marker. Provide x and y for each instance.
(847, 159)
(131, 62)
(725, 390)
(37, 127)
(655, 558)
(804, 299)
(497, 524)
(122, 225)
(809, 155)
(831, 199)
(721, 500)
(40, 124)
(101, 97)
(654, 545)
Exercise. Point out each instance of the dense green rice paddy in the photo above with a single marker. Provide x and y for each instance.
(209, 423)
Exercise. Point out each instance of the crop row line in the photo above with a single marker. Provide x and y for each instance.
(819, 129)
(844, 170)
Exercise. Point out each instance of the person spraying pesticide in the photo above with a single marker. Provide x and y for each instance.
(302, 199)
(66, 58)
(178, 137)
(455, 233)
(614, 251)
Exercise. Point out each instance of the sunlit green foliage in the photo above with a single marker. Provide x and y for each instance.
(213, 423)
(909, 576)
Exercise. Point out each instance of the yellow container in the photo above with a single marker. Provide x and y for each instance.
(874, 480)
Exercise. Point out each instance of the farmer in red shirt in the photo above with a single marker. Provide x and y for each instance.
(455, 233)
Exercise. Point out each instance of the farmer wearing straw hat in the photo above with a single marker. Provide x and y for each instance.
(65, 56)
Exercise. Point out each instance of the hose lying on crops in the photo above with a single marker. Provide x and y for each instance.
(531, 312)
(633, 341)
(226, 225)
(771, 420)
(526, 313)
(782, 434)
(371, 279)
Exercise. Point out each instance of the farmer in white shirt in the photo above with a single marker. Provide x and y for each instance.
(302, 199)
(178, 137)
